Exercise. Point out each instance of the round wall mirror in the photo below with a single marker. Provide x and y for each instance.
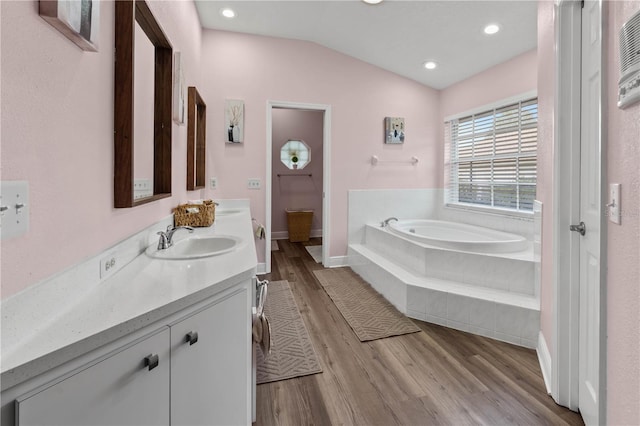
(295, 154)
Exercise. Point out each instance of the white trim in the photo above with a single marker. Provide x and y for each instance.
(495, 211)
(336, 261)
(493, 105)
(544, 358)
(326, 171)
(284, 235)
(566, 202)
(261, 269)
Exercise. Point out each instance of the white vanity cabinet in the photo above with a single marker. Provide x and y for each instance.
(116, 389)
(202, 376)
(210, 360)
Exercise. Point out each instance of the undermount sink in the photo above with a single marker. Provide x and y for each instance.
(196, 248)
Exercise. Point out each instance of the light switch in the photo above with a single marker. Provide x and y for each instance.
(14, 208)
(614, 203)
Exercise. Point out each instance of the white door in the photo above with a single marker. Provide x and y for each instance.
(592, 300)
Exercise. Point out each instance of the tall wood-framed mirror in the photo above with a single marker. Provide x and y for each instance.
(130, 14)
(196, 139)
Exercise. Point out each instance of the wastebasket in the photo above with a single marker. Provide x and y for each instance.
(299, 222)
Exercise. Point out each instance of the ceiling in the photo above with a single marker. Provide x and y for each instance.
(399, 36)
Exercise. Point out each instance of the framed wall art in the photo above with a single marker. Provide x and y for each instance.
(179, 90)
(78, 20)
(234, 121)
(394, 130)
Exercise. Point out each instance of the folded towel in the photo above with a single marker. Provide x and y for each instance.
(261, 332)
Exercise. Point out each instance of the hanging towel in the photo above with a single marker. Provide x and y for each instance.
(259, 231)
(261, 332)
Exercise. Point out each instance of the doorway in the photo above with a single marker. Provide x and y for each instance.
(297, 178)
(579, 259)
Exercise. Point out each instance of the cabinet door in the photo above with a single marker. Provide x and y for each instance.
(116, 390)
(210, 377)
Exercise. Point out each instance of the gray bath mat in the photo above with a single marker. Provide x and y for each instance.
(292, 353)
(368, 313)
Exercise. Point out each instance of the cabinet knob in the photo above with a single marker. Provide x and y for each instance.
(192, 337)
(151, 361)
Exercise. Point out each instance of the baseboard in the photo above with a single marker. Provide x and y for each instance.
(261, 268)
(280, 235)
(544, 358)
(336, 262)
(284, 235)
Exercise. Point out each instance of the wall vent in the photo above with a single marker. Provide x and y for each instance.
(629, 85)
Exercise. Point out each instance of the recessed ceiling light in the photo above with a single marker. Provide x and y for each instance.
(430, 65)
(228, 13)
(372, 1)
(491, 29)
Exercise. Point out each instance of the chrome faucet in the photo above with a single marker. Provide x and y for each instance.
(166, 238)
(386, 221)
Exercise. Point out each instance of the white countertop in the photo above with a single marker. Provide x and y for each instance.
(37, 337)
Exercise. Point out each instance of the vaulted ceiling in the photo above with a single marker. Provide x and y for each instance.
(399, 36)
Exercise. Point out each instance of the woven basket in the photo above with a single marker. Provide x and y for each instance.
(299, 225)
(204, 217)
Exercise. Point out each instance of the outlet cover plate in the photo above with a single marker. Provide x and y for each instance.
(108, 265)
(254, 183)
(14, 216)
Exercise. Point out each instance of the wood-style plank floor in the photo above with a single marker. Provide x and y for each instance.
(439, 376)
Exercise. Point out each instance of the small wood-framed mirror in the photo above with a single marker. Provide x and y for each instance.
(196, 139)
(128, 15)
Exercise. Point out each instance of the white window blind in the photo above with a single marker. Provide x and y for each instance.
(493, 157)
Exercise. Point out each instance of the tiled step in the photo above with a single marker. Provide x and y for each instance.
(503, 315)
(512, 272)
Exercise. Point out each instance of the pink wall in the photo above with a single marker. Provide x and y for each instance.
(546, 99)
(296, 192)
(623, 276)
(257, 69)
(511, 78)
(57, 133)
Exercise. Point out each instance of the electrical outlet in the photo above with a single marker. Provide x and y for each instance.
(213, 183)
(253, 183)
(108, 265)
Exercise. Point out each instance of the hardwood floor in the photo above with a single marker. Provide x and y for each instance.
(437, 376)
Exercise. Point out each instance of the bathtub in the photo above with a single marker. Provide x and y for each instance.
(458, 236)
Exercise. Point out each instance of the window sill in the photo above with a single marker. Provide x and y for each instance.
(493, 211)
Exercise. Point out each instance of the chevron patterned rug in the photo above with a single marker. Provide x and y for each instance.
(292, 353)
(368, 313)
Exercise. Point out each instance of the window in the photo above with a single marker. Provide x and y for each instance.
(493, 157)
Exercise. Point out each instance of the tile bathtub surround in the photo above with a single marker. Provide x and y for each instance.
(513, 272)
(512, 323)
(375, 205)
(486, 294)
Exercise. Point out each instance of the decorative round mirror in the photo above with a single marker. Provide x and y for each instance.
(295, 154)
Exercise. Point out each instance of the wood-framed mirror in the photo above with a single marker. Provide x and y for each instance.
(130, 14)
(196, 139)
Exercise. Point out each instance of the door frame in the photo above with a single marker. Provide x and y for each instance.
(566, 202)
(326, 173)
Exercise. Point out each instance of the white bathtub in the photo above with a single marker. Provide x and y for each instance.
(458, 236)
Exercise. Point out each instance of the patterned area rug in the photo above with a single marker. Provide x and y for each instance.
(315, 252)
(368, 313)
(292, 353)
